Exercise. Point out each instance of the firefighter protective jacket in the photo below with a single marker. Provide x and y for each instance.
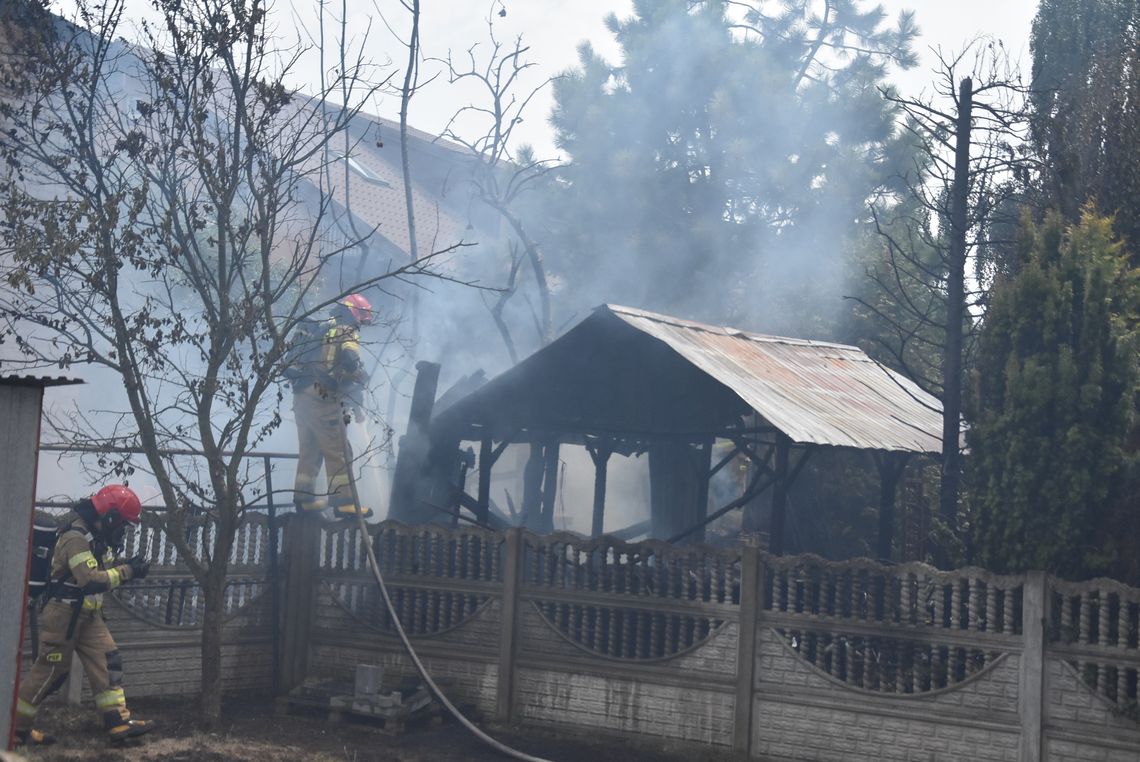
(340, 360)
(328, 356)
(76, 571)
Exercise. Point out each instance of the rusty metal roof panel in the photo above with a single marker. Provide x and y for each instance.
(814, 392)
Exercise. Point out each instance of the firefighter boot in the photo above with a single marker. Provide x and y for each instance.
(350, 511)
(33, 737)
(125, 731)
(117, 718)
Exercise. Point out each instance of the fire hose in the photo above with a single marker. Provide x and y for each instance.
(471, 727)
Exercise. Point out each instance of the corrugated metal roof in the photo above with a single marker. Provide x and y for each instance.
(814, 392)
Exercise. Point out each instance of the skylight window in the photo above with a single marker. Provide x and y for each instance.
(365, 172)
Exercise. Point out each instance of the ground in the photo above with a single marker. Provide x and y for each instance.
(251, 733)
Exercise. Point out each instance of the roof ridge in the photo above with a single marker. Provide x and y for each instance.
(726, 330)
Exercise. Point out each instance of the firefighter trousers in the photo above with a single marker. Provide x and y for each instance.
(91, 641)
(321, 440)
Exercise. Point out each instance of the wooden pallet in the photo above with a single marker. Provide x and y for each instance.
(392, 723)
(431, 714)
(286, 705)
(312, 696)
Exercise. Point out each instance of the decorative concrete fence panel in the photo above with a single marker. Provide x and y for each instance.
(633, 638)
(1092, 631)
(446, 585)
(858, 660)
(779, 658)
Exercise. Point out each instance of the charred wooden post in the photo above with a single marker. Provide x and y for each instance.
(779, 495)
(703, 481)
(486, 462)
(549, 486)
(466, 463)
(600, 454)
(891, 466)
(532, 486)
(412, 460)
(750, 521)
(676, 474)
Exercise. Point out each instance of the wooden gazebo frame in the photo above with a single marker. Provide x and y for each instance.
(625, 380)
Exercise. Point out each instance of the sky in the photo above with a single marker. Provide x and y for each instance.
(553, 29)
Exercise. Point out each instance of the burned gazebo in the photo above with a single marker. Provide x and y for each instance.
(626, 380)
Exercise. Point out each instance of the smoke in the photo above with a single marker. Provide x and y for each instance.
(707, 178)
(713, 174)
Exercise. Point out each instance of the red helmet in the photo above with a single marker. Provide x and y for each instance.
(120, 499)
(359, 307)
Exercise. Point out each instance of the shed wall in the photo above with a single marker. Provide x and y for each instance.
(19, 440)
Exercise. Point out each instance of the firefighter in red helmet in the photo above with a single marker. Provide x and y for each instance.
(328, 379)
(84, 566)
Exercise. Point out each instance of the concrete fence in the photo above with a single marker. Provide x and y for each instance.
(776, 658)
(779, 658)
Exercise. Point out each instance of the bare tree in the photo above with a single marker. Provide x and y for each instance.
(958, 207)
(502, 172)
(167, 220)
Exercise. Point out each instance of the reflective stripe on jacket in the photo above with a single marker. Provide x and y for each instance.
(79, 573)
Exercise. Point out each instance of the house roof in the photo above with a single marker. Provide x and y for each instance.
(31, 379)
(627, 371)
(370, 182)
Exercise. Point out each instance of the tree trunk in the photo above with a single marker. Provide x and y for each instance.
(214, 592)
(534, 254)
(210, 701)
(955, 312)
(406, 92)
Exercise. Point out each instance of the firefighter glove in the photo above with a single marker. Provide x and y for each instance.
(140, 567)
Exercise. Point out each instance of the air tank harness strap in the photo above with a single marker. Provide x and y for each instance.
(34, 624)
(76, 609)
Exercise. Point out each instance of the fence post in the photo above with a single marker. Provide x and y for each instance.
(274, 578)
(508, 644)
(1031, 686)
(752, 575)
(302, 555)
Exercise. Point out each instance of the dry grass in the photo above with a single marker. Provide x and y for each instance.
(252, 733)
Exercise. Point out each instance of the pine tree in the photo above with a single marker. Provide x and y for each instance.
(718, 171)
(1086, 100)
(1053, 400)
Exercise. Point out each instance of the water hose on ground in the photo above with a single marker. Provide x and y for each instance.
(471, 727)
